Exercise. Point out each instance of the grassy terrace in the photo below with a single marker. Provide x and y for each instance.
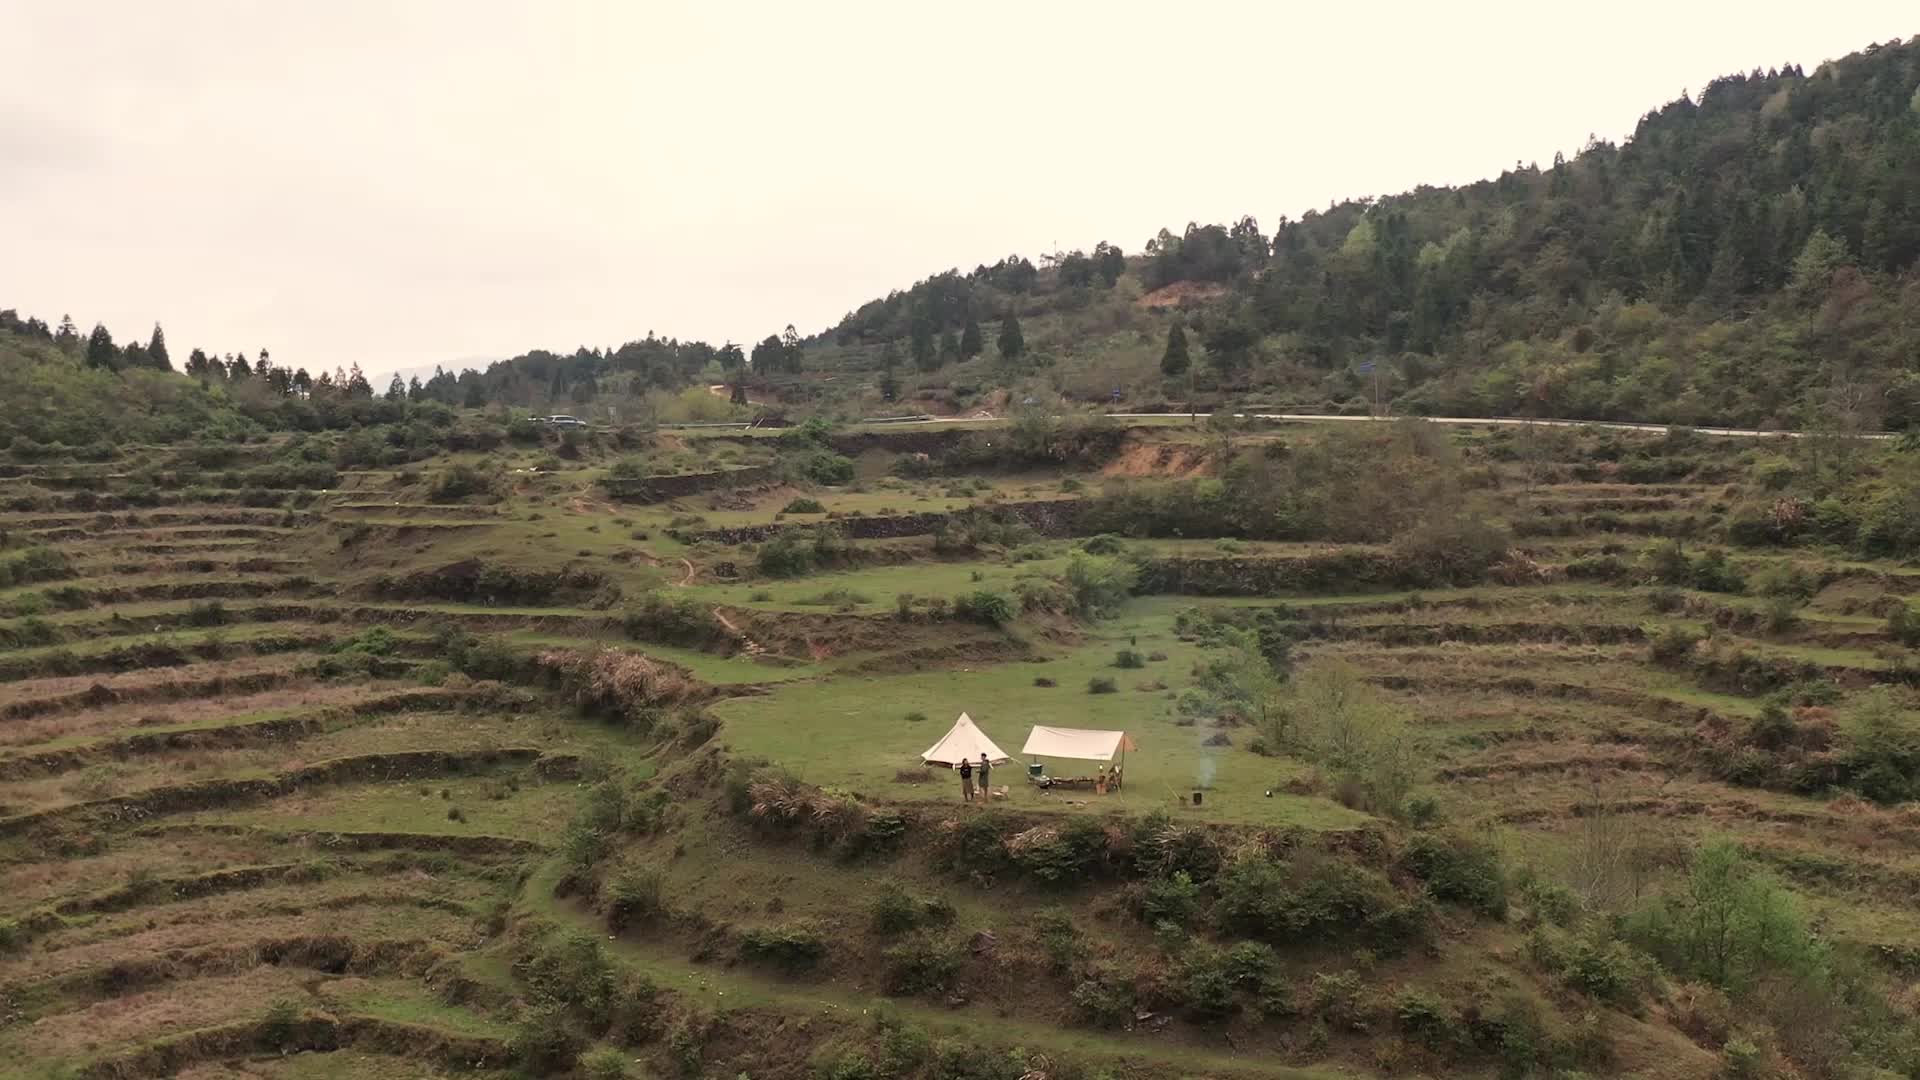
(1525, 703)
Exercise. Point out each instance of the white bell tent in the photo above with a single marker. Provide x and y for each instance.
(963, 742)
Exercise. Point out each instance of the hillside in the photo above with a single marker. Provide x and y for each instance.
(399, 735)
(439, 742)
(1744, 258)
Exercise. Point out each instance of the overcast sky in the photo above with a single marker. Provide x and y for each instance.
(404, 184)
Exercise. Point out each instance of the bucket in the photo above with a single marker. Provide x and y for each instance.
(1196, 798)
(1035, 769)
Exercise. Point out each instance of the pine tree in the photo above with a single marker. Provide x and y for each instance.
(101, 352)
(949, 344)
(971, 342)
(397, 389)
(157, 350)
(790, 351)
(68, 336)
(1012, 344)
(924, 357)
(415, 392)
(1175, 362)
(198, 365)
(889, 382)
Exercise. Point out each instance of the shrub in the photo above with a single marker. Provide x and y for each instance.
(1174, 899)
(1315, 897)
(803, 505)
(1786, 580)
(633, 896)
(785, 555)
(543, 1043)
(1043, 682)
(1730, 925)
(1099, 585)
(629, 467)
(916, 717)
(1427, 1020)
(924, 966)
(1205, 986)
(896, 911)
(1101, 684)
(206, 613)
(984, 606)
(606, 1063)
(1061, 855)
(1672, 644)
(1129, 658)
(1460, 871)
(1903, 623)
(821, 466)
(1253, 965)
(675, 620)
(1103, 1001)
(1450, 550)
(791, 949)
(1882, 748)
(462, 481)
(1335, 999)
(277, 1026)
(1059, 941)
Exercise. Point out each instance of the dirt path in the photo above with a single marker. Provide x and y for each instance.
(750, 647)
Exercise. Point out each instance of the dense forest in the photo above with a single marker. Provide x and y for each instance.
(1747, 256)
(1750, 256)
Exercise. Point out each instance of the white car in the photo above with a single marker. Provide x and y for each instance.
(564, 421)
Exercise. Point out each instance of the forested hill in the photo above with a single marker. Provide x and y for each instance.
(1747, 256)
(1750, 256)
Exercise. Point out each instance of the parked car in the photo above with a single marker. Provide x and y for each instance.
(565, 421)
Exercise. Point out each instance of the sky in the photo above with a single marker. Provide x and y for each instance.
(401, 184)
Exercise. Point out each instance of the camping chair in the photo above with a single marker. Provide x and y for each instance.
(1113, 778)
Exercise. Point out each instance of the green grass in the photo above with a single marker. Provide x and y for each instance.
(706, 667)
(413, 1003)
(536, 812)
(850, 732)
(881, 585)
(721, 990)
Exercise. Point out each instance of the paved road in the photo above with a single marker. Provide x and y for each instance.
(1458, 421)
(1319, 418)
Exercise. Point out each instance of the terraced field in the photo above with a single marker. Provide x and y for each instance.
(359, 781)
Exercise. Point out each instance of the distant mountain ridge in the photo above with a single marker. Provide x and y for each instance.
(1744, 258)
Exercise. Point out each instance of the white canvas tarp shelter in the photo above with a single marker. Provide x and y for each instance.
(963, 742)
(1080, 744)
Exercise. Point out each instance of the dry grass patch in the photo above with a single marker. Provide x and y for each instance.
(115, 1023)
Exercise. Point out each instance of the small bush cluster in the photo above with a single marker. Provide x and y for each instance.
(1459, 870)
(672, 620)
(923, 965)
(791, 949)
(896, 911)
(1316, 897)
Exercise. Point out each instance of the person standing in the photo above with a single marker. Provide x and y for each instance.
(966, 780)
(986, 793)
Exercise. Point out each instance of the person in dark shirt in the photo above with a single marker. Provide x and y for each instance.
(985, 769)
(966, 779)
